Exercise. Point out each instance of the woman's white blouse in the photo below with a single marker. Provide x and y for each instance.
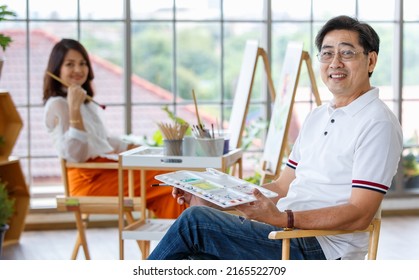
(75, 145)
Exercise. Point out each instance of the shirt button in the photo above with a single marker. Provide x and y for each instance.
(332, 120)
(325, 133)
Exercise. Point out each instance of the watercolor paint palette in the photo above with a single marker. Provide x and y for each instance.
(217, 187)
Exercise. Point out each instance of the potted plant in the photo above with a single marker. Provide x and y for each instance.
(6, 211)
(410, 171)
(4, 40)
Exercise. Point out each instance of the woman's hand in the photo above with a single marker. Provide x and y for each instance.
(75, 96)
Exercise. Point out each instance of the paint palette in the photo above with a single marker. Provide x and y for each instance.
(217, 187)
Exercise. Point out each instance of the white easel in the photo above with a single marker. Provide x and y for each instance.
(244, 89)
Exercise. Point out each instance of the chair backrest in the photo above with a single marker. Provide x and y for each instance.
(64, 176)
(88, 165)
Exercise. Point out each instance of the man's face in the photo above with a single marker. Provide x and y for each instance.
(345, 67)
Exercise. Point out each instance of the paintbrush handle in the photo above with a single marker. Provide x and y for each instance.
(88, 97)
(196, 108)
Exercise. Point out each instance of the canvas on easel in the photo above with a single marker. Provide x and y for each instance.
(276, 141)
(244, 89)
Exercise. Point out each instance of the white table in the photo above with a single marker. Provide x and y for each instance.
(150, 158)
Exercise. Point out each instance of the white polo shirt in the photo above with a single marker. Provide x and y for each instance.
(356, 146)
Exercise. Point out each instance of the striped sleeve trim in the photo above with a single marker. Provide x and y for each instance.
(292, 164)
(370, 186)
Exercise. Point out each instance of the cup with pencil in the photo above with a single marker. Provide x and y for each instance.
(173, 137)
(209, 144)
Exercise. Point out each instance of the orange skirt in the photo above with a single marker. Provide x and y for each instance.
(104, 182)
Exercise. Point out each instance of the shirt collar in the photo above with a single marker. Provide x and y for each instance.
(358, 104)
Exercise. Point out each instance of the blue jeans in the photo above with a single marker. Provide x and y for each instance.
(205, 233)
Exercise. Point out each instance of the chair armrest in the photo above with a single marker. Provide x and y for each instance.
(299, 233)
(373, 229)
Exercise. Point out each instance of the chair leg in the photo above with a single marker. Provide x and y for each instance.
(76, 247)
(374, 238)
(286, 249)
(81, 237)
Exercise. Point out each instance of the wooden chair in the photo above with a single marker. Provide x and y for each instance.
(83, 206)
(373, 229)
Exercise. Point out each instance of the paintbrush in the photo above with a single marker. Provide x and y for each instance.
(88, 97)
(196, 109)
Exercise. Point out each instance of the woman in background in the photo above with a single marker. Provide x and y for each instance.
(79, 135)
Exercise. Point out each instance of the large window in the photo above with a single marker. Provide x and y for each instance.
(149, 54)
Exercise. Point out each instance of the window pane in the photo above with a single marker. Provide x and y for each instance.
(114, 119)
(236, 35)
(46, 181)
(411, 57)
(249, 9)
(17, 6)
(152, 61)
(326, 9)
(198, 57)
(410, 125)
(42, 38)
(21, 147)
(382, 75)
(291, 10)
(106, 61)
(41, 143)
(282, 34)
(410, 10)
(188, 113)
(156, 9)
(13, 74)
(368, 9)
(208, 114)
(145, 119)
(253, 137)
(97, 9)
(52, 9)
(197, 9)
(410, 104)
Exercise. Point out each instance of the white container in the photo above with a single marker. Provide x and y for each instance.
(211, 147)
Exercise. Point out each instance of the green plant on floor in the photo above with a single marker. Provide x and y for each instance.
(6, 204)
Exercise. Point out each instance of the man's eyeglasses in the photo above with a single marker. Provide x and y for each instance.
(343, 55)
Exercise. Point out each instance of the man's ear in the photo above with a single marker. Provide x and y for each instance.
(372, 61)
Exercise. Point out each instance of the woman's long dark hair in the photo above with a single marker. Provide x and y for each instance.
(56, 59)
